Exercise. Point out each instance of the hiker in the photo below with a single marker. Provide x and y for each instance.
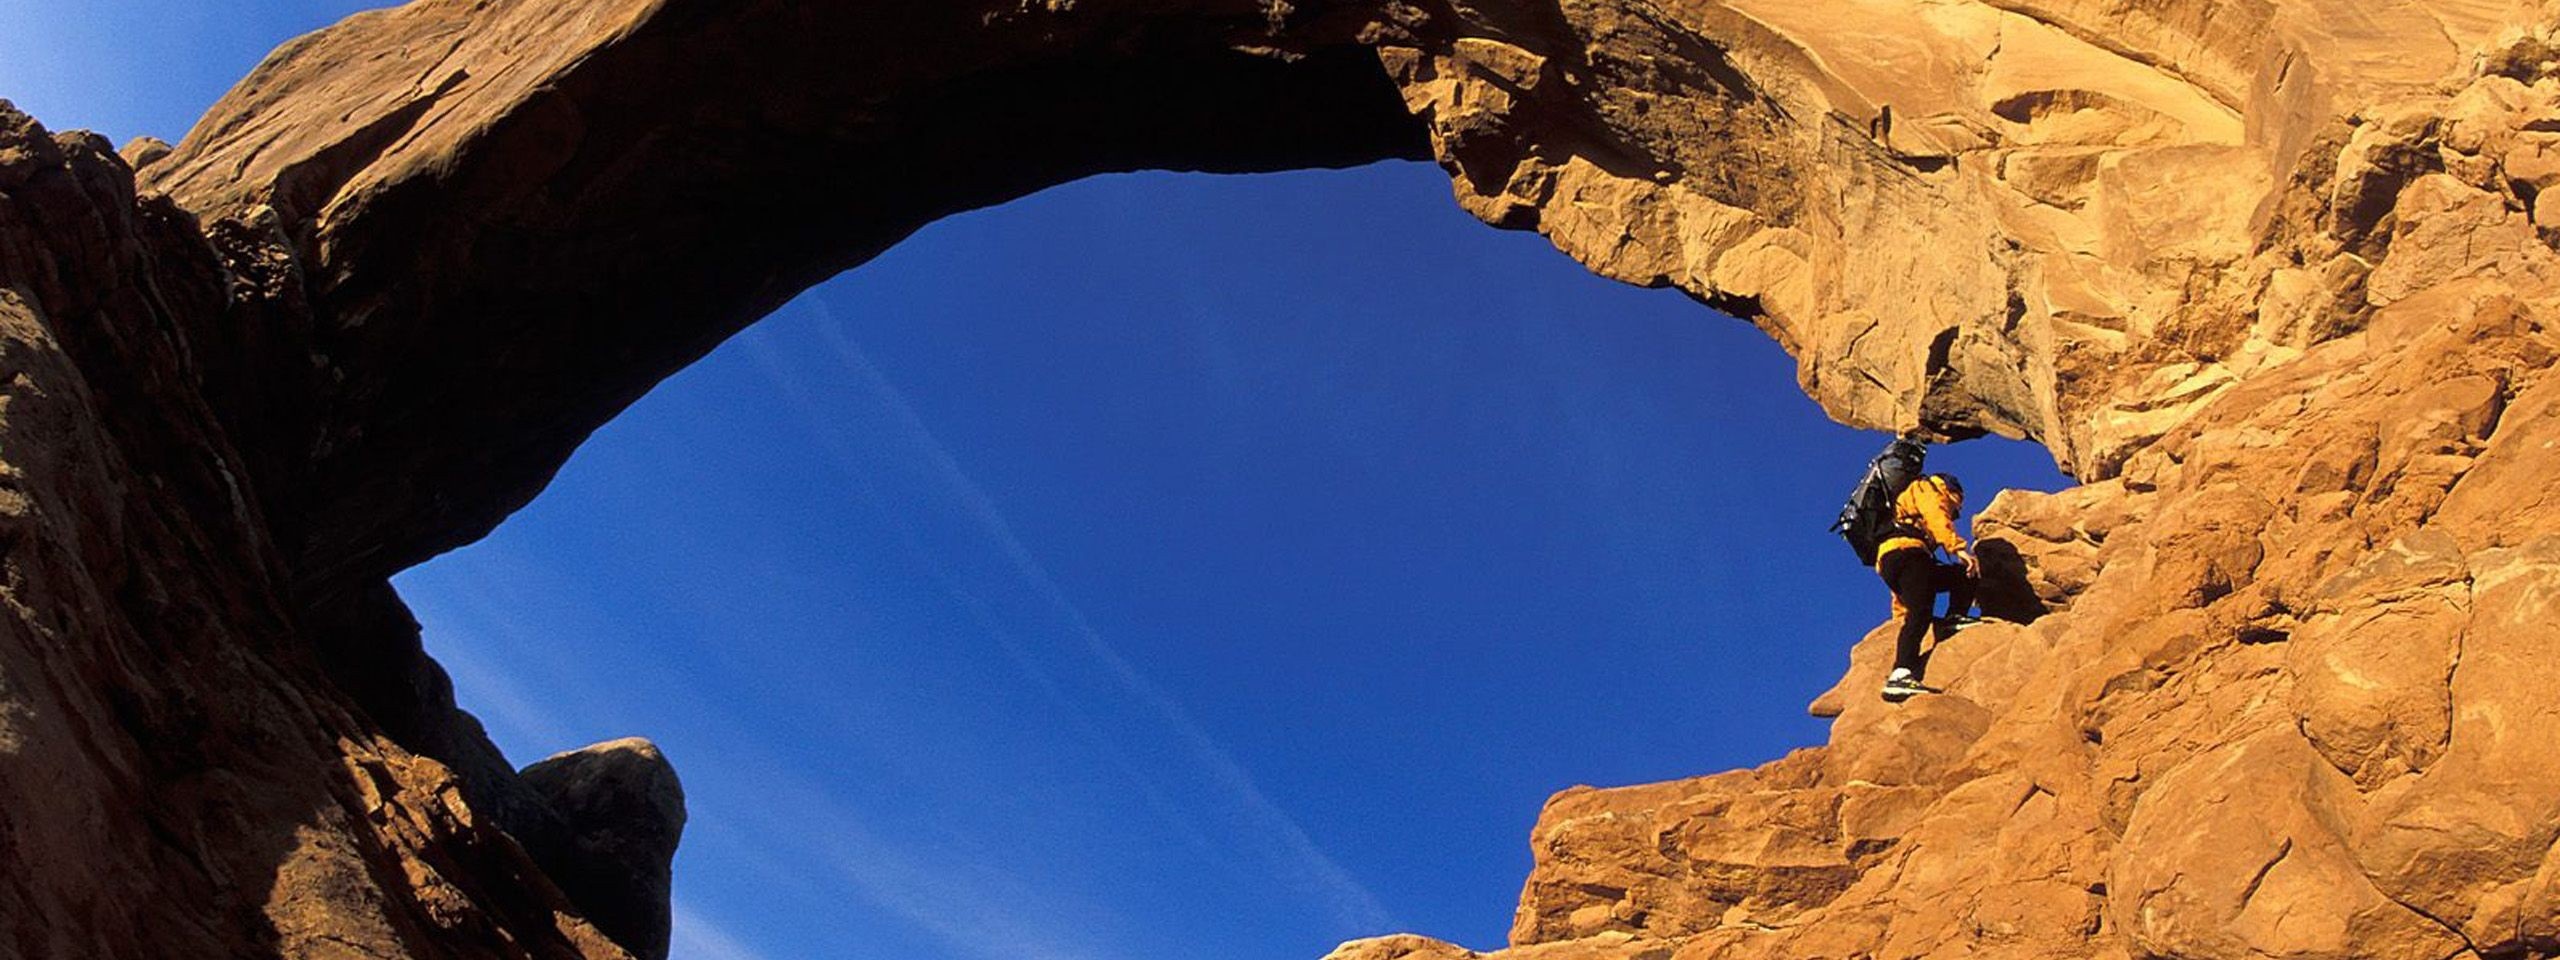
(1924, 522)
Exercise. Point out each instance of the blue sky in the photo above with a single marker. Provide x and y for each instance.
(1161, 565)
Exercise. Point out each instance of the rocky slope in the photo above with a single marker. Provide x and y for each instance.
(2276, 278)
(179, 776)
(2282, 699)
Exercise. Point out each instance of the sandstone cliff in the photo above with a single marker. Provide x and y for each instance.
(2275, 278)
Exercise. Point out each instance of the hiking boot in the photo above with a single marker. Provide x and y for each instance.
(1901, 685)
(1953, 624)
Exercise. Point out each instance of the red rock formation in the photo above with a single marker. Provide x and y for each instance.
(2276, 278)
(178, 777)
(2286, 703)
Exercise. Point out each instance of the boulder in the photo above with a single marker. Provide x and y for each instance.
(620, 813)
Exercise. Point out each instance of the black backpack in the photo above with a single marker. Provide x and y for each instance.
(1868, 518)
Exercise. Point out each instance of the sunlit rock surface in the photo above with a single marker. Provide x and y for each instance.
(2276, 279)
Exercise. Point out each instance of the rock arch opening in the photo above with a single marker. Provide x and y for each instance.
(1213, 474)
(2298, 339)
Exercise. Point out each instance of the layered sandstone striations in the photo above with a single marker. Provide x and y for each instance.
(2276, 278)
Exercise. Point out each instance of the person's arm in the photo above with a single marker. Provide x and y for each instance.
(1938, 520)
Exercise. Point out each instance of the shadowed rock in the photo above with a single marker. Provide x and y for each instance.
(620, 813)
(2277, 279)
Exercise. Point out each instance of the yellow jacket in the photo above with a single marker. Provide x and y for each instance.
(1926, 506)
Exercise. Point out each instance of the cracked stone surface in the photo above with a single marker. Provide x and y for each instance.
(2274, 279)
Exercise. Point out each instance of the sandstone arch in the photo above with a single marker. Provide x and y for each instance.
(2276, 277)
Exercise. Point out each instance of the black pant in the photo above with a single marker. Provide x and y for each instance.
(1916, 579)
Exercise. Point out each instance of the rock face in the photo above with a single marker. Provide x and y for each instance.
(179, 777)
(621, 812)
(2276, 279)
